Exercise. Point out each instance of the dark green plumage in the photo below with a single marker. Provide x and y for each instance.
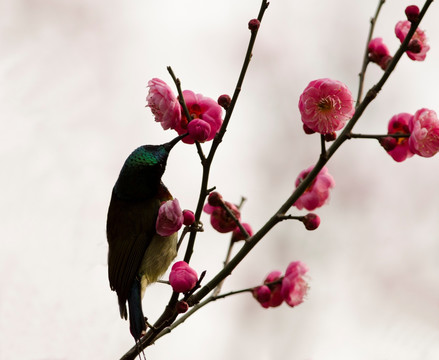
(138, 256)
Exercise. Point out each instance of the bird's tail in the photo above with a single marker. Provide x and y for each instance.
(137, 320)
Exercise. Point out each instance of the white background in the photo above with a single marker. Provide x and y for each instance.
(73, 87)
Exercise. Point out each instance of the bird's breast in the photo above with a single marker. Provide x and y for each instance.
(158, 256)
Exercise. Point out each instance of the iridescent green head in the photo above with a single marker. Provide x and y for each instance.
(142, 171)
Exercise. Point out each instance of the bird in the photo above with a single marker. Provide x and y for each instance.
(137, 255)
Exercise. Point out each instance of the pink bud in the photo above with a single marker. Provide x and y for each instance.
(412, 13)
(199, 130)
(311, 221)
(238, 235)
(182, 307)
(221, 221)
(182, 277)
(169, 218)
(215, 199)
(224, 101)
(330, 136)
(307, 130)
(262, 294)
(254, 24)
(188, 217)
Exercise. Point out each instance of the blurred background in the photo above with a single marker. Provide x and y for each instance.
(72, 103)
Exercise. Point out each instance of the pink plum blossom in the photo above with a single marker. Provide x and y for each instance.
(379, 53)
(220, 220)
(294, 287)
(424, 133)
(325, 105)
(170, 218)
(204, 109)
(418, 41)
(238, 235)
(182, 277)
(271, 297)
(316, 194)
(290, 288)
(163, 103)
(398, 148)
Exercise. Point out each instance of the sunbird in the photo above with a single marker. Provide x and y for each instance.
(137, 255)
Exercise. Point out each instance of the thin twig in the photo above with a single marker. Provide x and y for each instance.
(362, 73)
(185, 109)
(378, 137)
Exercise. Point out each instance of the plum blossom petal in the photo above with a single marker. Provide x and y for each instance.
(398, 148)
(325, 105)
(170, 218)
(419, 38)
(424, 129)
(220, 220)
(294, 287)
(316, 194)
(238, 235)
(379, 53)
(163, 103)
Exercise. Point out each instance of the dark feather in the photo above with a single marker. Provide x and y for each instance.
(130, 228)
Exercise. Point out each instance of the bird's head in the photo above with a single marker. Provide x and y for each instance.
(143, 169)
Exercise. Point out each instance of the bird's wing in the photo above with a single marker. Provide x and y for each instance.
(130, 228)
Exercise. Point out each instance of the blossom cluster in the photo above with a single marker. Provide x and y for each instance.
(421, 135)
(205, 114)
(221, 219)
(417, 47)
(290, 288)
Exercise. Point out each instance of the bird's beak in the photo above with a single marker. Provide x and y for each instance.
(168, 146)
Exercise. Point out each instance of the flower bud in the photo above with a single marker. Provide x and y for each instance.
(199, 130)
(188, 217)
(307, 130)
(182, 307)
(311, 221)
(330, 136)
(412, 13)
(254, 24)
(224, 101)
(215, 198)
(182, 277)
(262, 294)
(169, 218)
